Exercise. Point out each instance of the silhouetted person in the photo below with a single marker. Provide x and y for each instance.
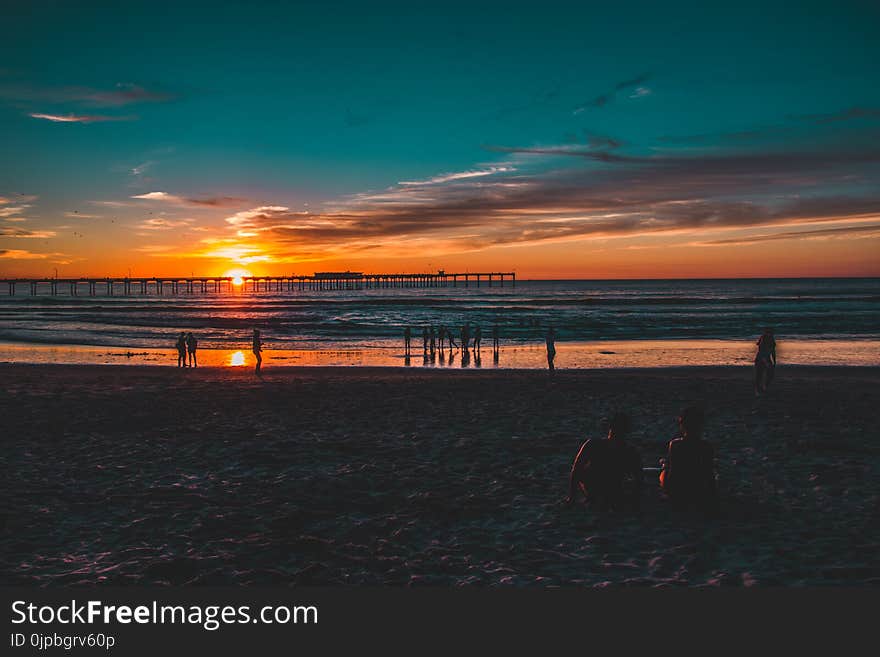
(181, 350)
(765, 361)
(451, 339)
(191, 344)
(465, 337)
(495, 336)
(608, 472)
(442, 335)
(688, 474)
(426, 338)
(551, 347)
(433, 340)
(478, 337)
(407, 338)
(258, 350)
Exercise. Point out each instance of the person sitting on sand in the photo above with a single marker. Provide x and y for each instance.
(191, 344)
(181, 350)
(608, 471)
(765, 361)
(688, 473)
(258, 350)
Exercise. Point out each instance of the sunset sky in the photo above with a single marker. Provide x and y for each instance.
(559, 140)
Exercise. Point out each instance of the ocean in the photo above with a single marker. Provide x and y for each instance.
(821, 321)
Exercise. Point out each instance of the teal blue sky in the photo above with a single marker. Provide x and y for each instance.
(230, 108)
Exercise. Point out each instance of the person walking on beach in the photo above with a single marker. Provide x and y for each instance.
(451, 338)
(765, 361)
(181, 350)
(191, 344)
(688, 473)
(258, 350)
(407, 338)
(608, 471)
(551, 347)
(478, 337)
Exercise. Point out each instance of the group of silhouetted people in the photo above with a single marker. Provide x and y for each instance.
(186, 346)
(438, 339)
(608, 472)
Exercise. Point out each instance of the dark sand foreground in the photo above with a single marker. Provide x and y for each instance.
(390, 476)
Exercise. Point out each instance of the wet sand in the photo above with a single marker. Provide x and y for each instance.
(137, 475)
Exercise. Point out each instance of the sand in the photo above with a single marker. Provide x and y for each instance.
(365, 476)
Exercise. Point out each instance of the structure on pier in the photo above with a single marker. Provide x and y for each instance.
(162, 285)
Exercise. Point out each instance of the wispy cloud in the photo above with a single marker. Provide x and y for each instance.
(160, 223)
(636, 83)
(844, 115)
(120, 95)
(24, 233)
(210, 202)
(629, 196)
(461, 175)
(22, 254)
(79, 118)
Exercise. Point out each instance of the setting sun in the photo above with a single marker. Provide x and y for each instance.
(236, 359)
(238, 276)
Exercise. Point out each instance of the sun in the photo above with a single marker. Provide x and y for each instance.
(236, 359)
(237, 276)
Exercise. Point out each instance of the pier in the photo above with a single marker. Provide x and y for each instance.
(319, 281)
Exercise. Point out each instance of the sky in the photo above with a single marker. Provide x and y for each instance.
(557, 140)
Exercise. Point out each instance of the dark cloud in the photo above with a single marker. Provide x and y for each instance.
(801, 234)
(843, 115)
(603, 99)
(626, 196)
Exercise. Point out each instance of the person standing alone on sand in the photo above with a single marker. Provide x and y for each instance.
(191, 344)
(688, 473)
(608, 472)
(258, 350)
(551, 347)
(407, 338)
(765, 361)
(181, 350)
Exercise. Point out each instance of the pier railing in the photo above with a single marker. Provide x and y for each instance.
(319, 281)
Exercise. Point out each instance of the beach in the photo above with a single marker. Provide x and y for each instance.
(129, 475)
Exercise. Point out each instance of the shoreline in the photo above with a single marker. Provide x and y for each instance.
(606, 354)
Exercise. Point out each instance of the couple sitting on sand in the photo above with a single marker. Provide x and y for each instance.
(608, 472)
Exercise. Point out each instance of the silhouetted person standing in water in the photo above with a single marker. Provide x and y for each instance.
(451, 339)
(551, 347)
(765, 361)
(407, 338)
(495, 335)
(191, 344)
(478, 337)
(433, 340)
(441, 336)
(258, 350)
(181, 350)
(465, 337)
(688, 474)
(425, 339)
(608, 472)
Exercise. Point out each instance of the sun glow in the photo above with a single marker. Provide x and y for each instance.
(236, 359)
(238, 276)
